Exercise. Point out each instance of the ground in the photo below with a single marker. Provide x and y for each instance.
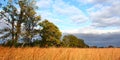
(36, 53)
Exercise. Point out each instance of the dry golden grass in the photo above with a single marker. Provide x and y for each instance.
(59, 53)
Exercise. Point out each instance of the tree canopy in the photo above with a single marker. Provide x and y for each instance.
(72, 41)
(50, 33)
(22, 21)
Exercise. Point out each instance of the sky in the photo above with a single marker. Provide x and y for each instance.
(77, 16)
(95, 21)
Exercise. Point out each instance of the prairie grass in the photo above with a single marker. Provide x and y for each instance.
(35, 53)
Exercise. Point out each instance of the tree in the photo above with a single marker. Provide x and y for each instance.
(9, 15)
(93, 47)
(22, 22)
(30, 21)
(110, 46)
(72, 41)
(50, 33)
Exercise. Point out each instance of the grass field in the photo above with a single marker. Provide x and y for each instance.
(36, 53)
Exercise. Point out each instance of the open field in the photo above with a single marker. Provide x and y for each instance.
(36, 53)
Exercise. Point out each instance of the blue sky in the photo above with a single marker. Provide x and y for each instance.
(76, 16)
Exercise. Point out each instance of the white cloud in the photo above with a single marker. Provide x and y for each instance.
(44, 3)
(107, 22)
(67, 9)
(72, 31)
(95, 8)
(79, 19)
(57, 8)
(103, 13)
(4, 24)
(90, 30)
(72, 12)
(105, 16)
(95, 1)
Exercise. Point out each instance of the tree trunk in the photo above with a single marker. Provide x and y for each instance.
(13, 30)
(18, 27)
(18, 30)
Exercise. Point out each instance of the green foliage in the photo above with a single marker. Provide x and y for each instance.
(110, 46)
(50, 33)
(22, 22)
(72, 41)
(29, 20)
(37, 43)
(11, 43)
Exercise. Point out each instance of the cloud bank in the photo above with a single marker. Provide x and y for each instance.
(101, 40)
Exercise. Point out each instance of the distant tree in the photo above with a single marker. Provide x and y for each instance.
(72, 41)
(50, 33)
(101, 47)
(110, 46)
(93, 46)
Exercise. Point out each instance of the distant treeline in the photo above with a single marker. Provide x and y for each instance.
(67, 41)
(109, 46)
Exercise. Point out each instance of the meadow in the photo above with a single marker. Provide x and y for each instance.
(36, 53)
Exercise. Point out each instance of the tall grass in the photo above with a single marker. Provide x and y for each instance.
(36, 53)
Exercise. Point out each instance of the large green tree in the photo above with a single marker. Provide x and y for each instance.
(73, 41)
(30, 21)
(21, 16)
(50, 33)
